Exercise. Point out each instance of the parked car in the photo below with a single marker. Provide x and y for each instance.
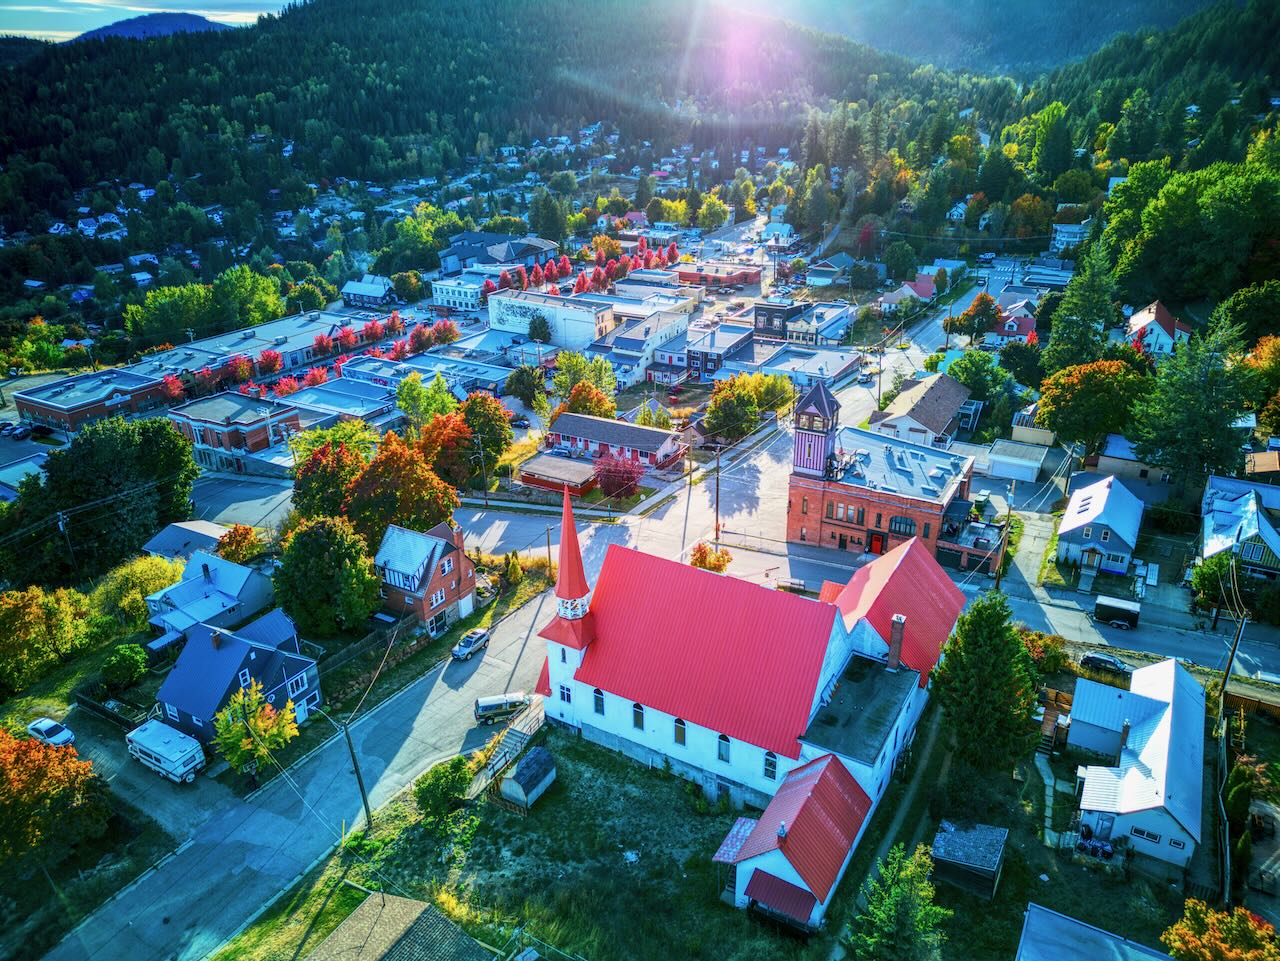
(8, 429)
(490, 710)
(866, 377)
(520, 421)
(51, 732)
(21, 433)
(1106, 663)
(471, 642)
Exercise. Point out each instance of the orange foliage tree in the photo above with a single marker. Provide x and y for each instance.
(710, 558)
(240, 544)
(1204, 934)
(398, 487)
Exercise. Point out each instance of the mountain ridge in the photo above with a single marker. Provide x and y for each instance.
(153, 25)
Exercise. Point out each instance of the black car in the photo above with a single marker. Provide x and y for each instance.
(1106, 663)
(519, 421)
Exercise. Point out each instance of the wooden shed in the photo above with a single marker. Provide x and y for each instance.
(970, 857)
(526, 781)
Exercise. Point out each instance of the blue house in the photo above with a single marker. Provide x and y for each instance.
(215, 663)
(1099, 528)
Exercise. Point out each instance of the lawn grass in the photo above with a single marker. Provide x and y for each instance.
(45, 907)
(619, 504)
(51, 696)
(559, 873)
(1053, 574)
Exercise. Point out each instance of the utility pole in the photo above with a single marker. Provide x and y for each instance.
(484, 475)
(1004, 538)
(548, 551)
(62, 526)
(364, 795)
(717, 537)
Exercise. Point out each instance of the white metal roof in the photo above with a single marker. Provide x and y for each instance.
(1162, 762)
(1108, 502)
(407, 552)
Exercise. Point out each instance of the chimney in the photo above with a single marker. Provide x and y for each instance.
(216, 638)
(205, 569)
(1124, 736)
(782, 830)
(895, 641)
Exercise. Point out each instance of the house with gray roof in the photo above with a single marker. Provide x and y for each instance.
(1050, 936)
(1099, 528)
(216, 663)
(1152, 740)
(428, 574)
(389, 928)
(926, 411)
(369, 291)
(213, 591)
(1241, 516)
(655, 447)
(178, 541)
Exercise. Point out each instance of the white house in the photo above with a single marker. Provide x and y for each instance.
(733, 685)
(926, 411)
(1158, 329)
(789, 862)
(1153, 735)
(212, 591)
(574, 322)
(1099, 528)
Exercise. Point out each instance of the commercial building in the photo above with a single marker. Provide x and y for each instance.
(630, 347)
(706, 351)
(799, 322)
(854, 490)
(574, 321)
(225, 428)
(717, 274)
(656, 447)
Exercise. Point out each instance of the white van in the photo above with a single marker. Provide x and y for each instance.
(168, 752)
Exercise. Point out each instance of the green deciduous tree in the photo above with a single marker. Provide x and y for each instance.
(248, 730)
(524, 383)
(985, 654)
(421, 402)
(572, 368)
(490, 424)
(1022, 360)
(539, 329)
(326, 581)
(1053, 152)
(733, 412)
(900, 260)
(355, 434)
(122, 593)
(38, 630)
(1183, 424)
(1254, 309)
(979, 371)
(125, 666)
(900, 921)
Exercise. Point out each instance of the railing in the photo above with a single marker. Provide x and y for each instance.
(511, 742)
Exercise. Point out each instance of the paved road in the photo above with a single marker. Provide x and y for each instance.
(248, 851)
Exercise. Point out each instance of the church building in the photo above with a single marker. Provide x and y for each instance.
(746, 690)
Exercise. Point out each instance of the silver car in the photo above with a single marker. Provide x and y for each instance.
(51, 732)
(472, 641)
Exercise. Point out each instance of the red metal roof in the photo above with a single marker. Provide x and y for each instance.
(732, 656)
(543, 686)
(571, 582)
(727, 853)
(908, 580)
(781, 896)
(823, 809)
(1157, 313)
(576, 633)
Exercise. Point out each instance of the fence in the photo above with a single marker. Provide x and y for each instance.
(126, 722)
(1252, 705)
(372, 641)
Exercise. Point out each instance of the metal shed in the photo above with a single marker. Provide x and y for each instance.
(971, 857)
(1016, 461)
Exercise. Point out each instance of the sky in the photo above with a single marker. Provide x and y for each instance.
(64, 19)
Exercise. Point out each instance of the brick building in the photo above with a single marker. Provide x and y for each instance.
(226, 427)
(717, 275)
(853, 490)
(428, 574)
(72, 402)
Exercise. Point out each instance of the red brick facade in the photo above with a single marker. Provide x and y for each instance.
(131, 401)
(444, 596)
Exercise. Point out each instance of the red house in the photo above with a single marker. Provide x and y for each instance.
(597, 436)
(429, 574)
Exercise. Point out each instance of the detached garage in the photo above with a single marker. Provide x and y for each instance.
(1016, 461)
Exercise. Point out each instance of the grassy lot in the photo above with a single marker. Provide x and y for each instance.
(412, 657)
(37, 909)
(563, 873)
(515, 455)
(1137, 909)
(1053, 574)
(621, 504)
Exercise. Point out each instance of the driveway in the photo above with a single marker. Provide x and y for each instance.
(247, 852)
(179, 808)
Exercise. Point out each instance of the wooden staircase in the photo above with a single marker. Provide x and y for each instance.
(511, 743)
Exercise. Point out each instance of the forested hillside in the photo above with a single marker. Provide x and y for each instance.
(986, 36)
(382, 88)
(154, 25)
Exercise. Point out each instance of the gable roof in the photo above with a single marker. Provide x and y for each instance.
(389, 928)
(408, 552)
(183, 538)
(1158, 314)
(209, 586)
(606, 430)
(1162, 763)
(707, 648)
(819, 399)
(819, 810)
(272, 629)
(907, 580)
(933, 402)
(1107, 502)
(924, 286)
(1050, 936)
(1236, 510)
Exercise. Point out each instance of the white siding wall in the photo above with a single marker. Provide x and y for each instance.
(1155, 821)
(1090, 737)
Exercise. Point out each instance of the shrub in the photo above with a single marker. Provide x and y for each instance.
(125, 666)
(1048, 651)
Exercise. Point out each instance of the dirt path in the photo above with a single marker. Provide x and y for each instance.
(908, 798)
